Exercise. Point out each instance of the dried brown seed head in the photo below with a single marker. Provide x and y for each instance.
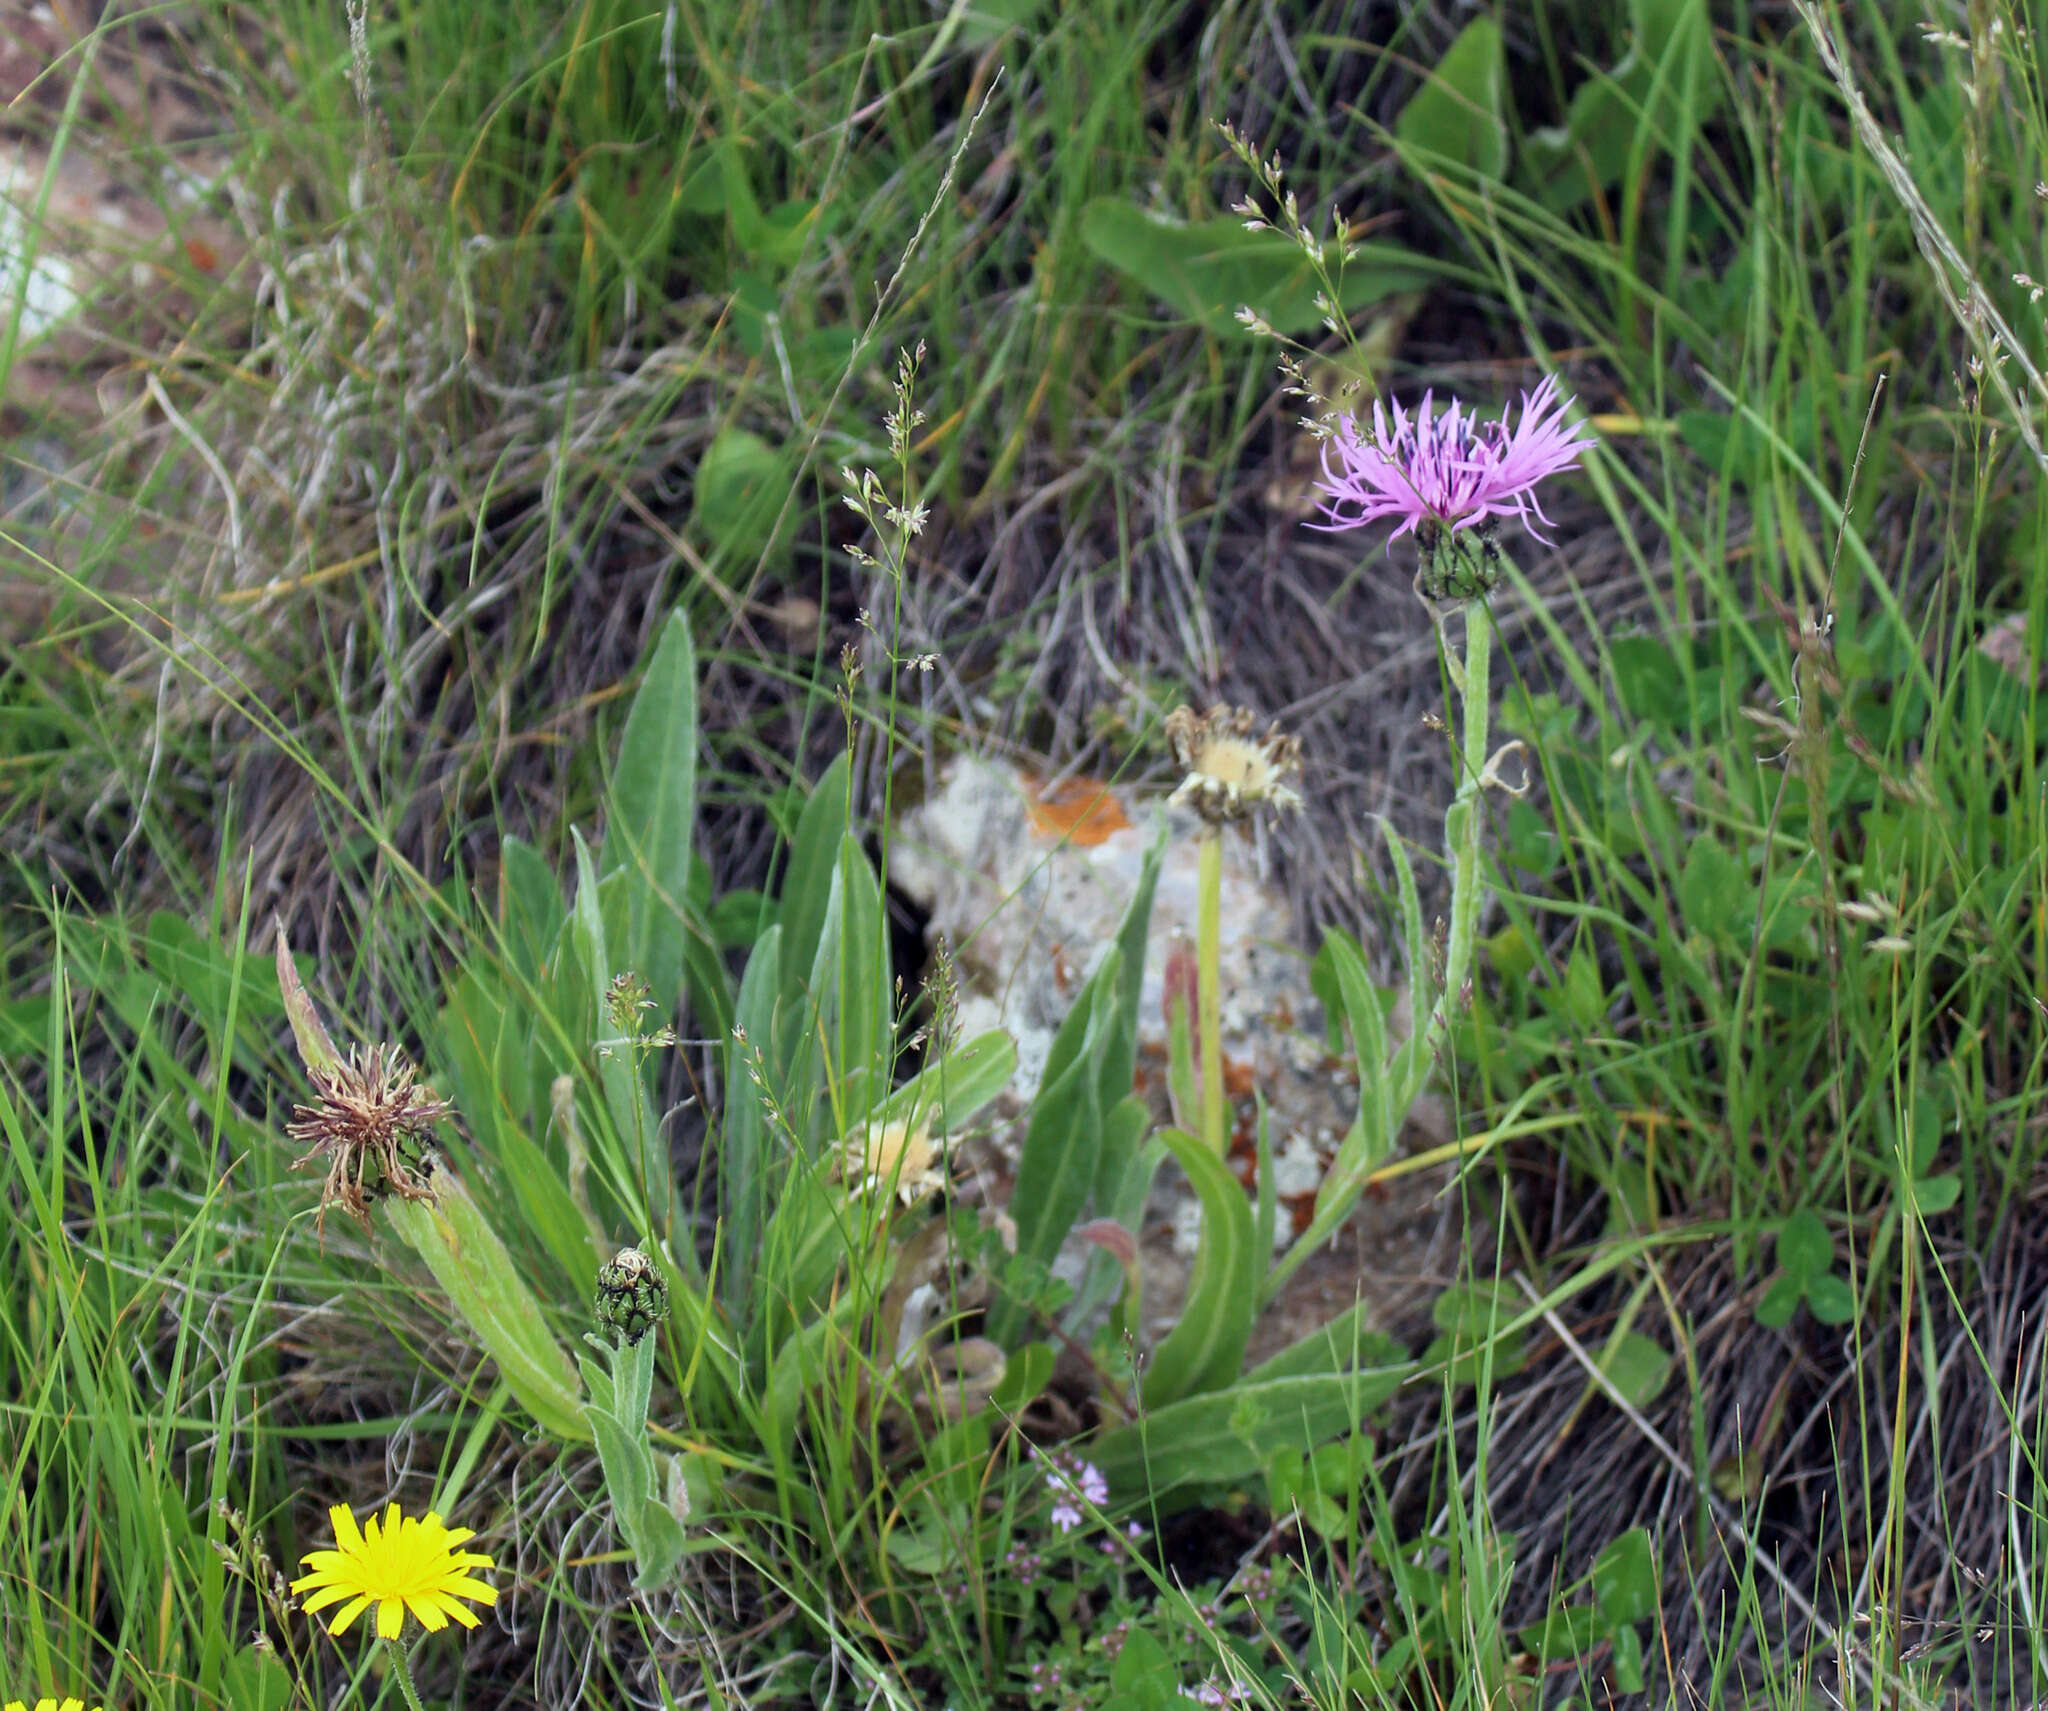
(370, 1120)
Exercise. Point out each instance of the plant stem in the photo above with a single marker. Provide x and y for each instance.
(403, 1666)
(1209, 993)
(1471, 682)
(1462, 823)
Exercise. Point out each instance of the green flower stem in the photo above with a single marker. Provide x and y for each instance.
(1209, 997)
(1463, 822)
(401, 1664)
(1471, 682)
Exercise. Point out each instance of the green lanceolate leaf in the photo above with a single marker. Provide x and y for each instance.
(1457, 113)
(1205, 1349)
(1382, 1107)
(1056, 1167)
(1348, 1343)
(744, 1156)
(618, 1418)
(1123, 1168)
(1128, 1161)
(530, 907)
(651, 815)
(809, 897)
(641, 1174)
(1228, 1435)
(316, 1050)
(850, 979)
(1656, 93)
(807, 886)
(803, 1246)
(1208, 269)
(1120, 1050)
(628, 1473)
(487, 1036)
(451, 1234)
(946, 1095)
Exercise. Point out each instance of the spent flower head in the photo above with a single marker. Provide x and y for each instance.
(1437, 473)
(894, 1157)
(408, 1563)
(1229, 773)
(370, 1120)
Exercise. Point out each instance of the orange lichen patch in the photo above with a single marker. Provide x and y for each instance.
(1081, 811)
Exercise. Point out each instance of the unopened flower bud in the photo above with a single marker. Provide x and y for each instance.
(632, 1295)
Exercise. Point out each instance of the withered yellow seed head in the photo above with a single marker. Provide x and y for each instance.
(1230, 773)
(896, 1157)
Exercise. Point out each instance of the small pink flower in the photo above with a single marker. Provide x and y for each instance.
(1447, 472)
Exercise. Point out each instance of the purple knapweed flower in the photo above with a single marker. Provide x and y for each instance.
(1452, 469)
(1436, 474)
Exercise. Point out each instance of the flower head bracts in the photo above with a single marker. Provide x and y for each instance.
(632, 1295)
(1446, 471)
(1228, 772)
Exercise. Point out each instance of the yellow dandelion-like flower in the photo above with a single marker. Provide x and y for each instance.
(46, 1703)
(895, 1156)
(1229, 773)
(407, 1563)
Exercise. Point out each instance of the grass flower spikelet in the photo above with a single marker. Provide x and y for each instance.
(1446, 470)
(408, 1563)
